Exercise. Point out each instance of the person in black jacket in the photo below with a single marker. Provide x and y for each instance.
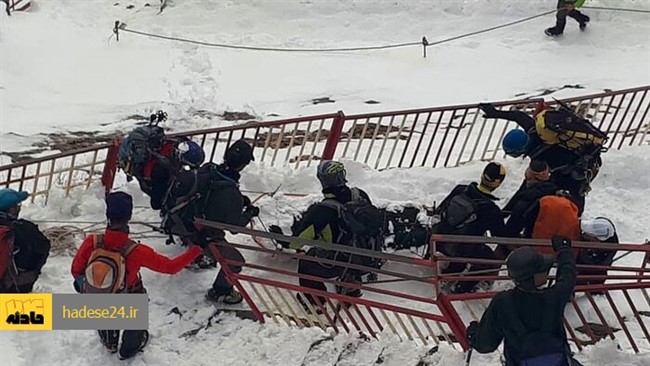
(30, 248)
(225, 203)
(535, 186)
(528, 319)
(322, 222)
(566, 8)
(569, 170)
(476, 219)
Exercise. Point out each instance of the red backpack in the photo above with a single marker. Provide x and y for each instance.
(8, 270)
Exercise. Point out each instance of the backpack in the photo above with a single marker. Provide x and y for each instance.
(540, 347)
(136, 148)
(460, 212)
(8, 270)
(568, 130)
(106, 269)
(363, 222)
(187, 197)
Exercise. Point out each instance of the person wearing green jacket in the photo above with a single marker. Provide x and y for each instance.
(567, 8)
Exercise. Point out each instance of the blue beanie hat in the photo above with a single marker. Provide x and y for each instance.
(119, 206)
(10, 198)
(514, 143)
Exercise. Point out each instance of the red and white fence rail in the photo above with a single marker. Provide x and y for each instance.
(407, 301)
(435, 137)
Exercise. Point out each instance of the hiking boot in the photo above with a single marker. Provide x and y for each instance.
(352, 292)
(303, 302)
(229, 296)
(143, 344)
(203, 262)
(109, 339)
(552, 32)
(583, 23)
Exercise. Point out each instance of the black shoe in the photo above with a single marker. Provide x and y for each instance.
(228, 296)
(583, 25)
(143, 344)
(551, 32)
(109, 339)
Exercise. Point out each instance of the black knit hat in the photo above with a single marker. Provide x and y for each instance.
(119, 206)
(493, 175)
(239, 154)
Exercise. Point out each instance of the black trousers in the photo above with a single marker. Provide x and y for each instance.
(316, 269)
(561, 15)
(221, 283)
(131, 339)
(481, 251)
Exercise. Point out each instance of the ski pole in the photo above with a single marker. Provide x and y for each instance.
(277, 245)
(468, 359)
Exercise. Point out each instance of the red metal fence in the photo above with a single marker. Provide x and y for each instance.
(407, 299)
(436, 137)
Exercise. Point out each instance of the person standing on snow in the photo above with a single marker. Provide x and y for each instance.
(471, 210)
(529, 319)
(119, 208)
(23, 248)
(225, 203)
(567, 8)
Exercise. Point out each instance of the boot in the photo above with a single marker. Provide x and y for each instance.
(583, 24)
(227, 296)
(128, 352)
(552, 32)
(109, 339)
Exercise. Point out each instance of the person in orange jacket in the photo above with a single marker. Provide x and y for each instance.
(119, 207)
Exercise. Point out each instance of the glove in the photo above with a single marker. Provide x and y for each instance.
(79, 283)
(200, 240)
(472, 332)
(275, 229)
(560, 243)
(247, 201)
(254, 211)
(488, 110)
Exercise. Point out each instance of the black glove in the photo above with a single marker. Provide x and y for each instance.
(247, 201)
(472, 332)
(488, 110)
(560, 243)
(275, 229)
(253, 211)
(200, 240)
(79, 283)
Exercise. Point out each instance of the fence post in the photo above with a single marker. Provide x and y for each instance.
(110, 166)
(454, 321)
(334, 136)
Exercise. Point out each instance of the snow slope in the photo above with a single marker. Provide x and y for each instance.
(60, 73)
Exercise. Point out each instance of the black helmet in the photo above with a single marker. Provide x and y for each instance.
(331, 174)
(524, 263)
(239, 154)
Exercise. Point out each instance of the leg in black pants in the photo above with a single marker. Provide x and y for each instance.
(221, 284)
(481, 251)
(315, 269)
(561, 15)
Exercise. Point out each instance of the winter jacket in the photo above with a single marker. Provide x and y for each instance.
(524, 199)
(488, 214)
(223, 202)
(322, 223)
(497, 322)
(30, 252)
(158, 173)
(552, 216)
(142, 256)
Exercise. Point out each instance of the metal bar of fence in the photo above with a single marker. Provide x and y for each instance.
(458, 130)
(601, 318)
(621, 321)
(444, 137)
(399, 133)
(433, 137)
(383, 143)
(278, 144)
(372, 140)
(422, 134)
(303, 144)
(582, 318)
(572, 334)
(292, 140)
(316, 141)
(636, 111)
(636, 315)
(613, 120)
(467, 138)
(361, 138)
(647, 126)
(622, 121)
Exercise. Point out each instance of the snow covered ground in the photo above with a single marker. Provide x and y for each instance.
(59, 73)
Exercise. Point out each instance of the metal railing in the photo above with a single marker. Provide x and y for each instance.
(407, 298)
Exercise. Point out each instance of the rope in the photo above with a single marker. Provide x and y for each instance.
(617, 9)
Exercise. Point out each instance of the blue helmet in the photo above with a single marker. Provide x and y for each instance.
(514, 143)
(190, 154)
(331, 174)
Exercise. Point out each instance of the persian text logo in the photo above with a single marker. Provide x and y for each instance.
(26, 311)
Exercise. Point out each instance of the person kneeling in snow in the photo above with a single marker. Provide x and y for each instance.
(23, 248)
(527, 318)
(119, 207)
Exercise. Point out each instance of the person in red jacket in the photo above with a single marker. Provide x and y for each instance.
(119, 207)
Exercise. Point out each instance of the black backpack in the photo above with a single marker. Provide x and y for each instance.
(136, 148)
(460, 212)
(363, 223)
(187, 196)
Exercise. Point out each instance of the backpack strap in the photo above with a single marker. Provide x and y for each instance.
(98, 241)
(128, 248)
